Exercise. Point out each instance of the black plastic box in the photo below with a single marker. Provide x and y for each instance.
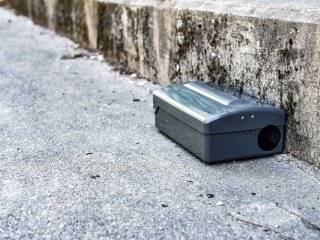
(216, 126)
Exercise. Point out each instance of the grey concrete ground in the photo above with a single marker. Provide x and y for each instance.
(80, 159)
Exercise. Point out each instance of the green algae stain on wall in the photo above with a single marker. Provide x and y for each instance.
(20, 6)
(63, 19)
(79, 28)
(39, 12)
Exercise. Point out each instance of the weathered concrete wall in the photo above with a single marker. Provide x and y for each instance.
(275, 60)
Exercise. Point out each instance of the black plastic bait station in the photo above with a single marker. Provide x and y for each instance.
(217, 126)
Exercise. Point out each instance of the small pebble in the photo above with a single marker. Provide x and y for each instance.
(134, 75)
(73, 55)
(141, 83)
(95, 176)
(164, 205)
(210, 195)
(100, 58)
(220, 203)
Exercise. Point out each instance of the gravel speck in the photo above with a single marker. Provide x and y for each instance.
(210, 195)
(220, 203)
(95, 176)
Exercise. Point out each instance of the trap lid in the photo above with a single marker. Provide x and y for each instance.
(210, 110)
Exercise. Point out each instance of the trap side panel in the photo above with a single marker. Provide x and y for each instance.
(237, 146)
(188, 137)
(214, 148)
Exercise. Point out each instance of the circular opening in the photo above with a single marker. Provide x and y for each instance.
(269, 138)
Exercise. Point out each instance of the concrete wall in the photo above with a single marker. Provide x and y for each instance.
(274, 59)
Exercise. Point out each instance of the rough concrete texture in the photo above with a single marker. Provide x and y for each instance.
(268, 50)
(79, 159)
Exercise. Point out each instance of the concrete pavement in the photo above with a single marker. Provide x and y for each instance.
(79, 158)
